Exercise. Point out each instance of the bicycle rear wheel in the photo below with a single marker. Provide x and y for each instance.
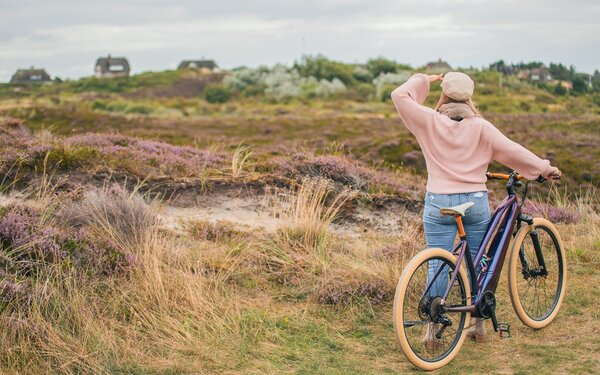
(536, 295)
(418, 313)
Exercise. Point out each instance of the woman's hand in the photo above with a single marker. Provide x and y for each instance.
(435, 77)
(554, 174)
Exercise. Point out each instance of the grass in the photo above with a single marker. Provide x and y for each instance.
(239, 160)
(371, 132)
(134, 291)
(212, 305)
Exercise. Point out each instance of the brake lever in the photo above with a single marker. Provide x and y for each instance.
(542, 179)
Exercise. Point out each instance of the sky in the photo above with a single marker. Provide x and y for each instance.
(65, 37)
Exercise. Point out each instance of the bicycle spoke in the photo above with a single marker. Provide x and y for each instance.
(418, 325)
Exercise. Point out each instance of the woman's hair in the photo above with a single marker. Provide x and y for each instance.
(444, 99)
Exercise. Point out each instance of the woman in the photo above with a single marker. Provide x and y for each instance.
(458, 144)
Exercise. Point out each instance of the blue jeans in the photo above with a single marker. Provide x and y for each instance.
(440, 231)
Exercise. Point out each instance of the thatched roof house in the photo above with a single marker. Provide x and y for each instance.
(207, 66)
(438, 66)
(535, 74)
(109, 67)
(30, 76)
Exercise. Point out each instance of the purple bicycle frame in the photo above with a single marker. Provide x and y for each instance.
(503, 219)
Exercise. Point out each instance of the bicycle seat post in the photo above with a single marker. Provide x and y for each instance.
(467, 254)
(460, 226)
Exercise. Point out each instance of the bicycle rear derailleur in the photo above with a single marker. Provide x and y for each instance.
(432, 309)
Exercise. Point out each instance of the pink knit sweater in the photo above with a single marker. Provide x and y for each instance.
(458, 153)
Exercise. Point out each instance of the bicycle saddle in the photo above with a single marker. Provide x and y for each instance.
(456, 210)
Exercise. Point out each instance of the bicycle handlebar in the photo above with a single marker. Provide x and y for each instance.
(506, 176)
(500, 176)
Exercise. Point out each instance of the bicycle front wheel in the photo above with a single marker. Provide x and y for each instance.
(537, 278)
(429, 336)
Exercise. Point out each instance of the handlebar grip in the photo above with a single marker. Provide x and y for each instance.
(542, 179)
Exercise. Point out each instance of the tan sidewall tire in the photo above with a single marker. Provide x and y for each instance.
(513, 273)
(399, 301)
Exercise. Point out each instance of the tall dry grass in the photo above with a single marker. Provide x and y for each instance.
(239, 159)
(306, 252)
(303, 240)
(160, 310)
(309, 213)
(581, 210)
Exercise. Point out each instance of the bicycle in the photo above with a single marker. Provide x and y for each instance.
(536, 280)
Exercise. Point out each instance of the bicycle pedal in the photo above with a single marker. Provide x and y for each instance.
(504, 330)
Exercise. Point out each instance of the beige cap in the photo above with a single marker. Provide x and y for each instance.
(458, 86)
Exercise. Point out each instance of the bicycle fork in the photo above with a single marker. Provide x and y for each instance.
(528, 272)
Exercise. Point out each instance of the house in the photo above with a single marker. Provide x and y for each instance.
(205, 66)
(438, 66)
(109, 67)
(535, 74)
(30, 76)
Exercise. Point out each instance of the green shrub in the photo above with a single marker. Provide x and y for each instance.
(99, 105)
(362, 74)
(381, 65)
(365, 91)
(116, 106)
(138, 108)
(386, 92)
(322, 68)
(560, 90)
(216, 94)
(580, 86)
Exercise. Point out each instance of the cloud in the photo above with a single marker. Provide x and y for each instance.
(67, 36)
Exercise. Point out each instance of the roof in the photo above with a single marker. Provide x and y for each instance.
(31, 75)
(113, 64)
(438, 64)
(210, 64)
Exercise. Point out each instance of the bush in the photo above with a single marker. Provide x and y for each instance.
(580, 86)
(100, 105)
(116, 106)
(282, 83)
(113, 213)
(217, 94)
(362, 74)
(139, 109)
(387, 80)
(320, 68)
(560, 90)
(328, 88)
(381, 65)
(365, 91)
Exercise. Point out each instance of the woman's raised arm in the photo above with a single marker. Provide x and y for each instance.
(408, 100)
